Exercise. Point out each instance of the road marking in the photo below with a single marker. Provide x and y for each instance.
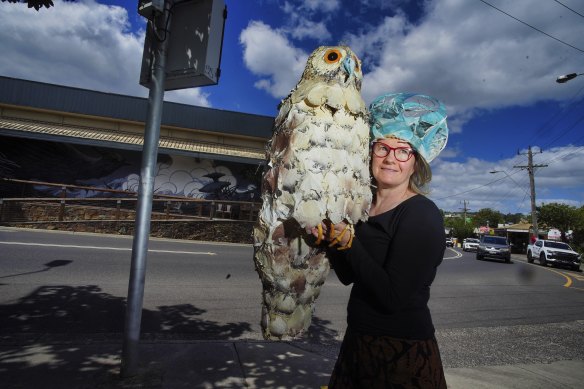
(568, 278)
(457, 254)
(106, 248)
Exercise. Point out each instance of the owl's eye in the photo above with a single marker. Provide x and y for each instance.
(332, 56)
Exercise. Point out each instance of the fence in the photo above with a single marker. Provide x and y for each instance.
(18, 205)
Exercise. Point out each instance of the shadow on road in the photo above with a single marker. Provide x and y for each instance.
(48, 266)
(41, 335)
(86, 309)
(65, 336)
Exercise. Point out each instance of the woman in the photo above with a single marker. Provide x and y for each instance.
(391, 259)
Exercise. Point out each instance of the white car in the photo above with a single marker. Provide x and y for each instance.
(553, 253)
(470, 244)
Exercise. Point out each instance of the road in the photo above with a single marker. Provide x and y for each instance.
(485, 312)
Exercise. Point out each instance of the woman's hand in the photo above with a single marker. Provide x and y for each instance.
(340, 234)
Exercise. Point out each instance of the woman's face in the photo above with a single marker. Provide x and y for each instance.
(388, 171)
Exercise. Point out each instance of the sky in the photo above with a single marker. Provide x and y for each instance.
(492, 62)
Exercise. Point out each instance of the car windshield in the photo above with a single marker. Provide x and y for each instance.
(495, 240)
(472, 240)
(558, 245)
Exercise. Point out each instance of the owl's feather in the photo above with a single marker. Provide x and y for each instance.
(317, 170)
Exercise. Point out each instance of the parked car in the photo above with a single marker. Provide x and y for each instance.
(491, 246)
(554, 253)
(449, 242)
(470, 244)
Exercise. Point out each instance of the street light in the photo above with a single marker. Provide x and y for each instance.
(567, 77)
(507, 174)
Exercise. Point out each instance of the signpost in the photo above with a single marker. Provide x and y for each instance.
(180, 53)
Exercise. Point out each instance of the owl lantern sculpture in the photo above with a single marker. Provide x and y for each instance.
(317, 171)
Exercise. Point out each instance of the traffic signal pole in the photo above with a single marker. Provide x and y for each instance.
(145, 196)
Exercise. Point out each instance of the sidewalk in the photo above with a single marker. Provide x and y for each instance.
(95, 363)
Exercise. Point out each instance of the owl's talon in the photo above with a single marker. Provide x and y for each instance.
(320, 234)
(337, 239)
(350, 242)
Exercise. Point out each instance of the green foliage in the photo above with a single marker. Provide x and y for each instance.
(487, 215)
(578, 231)
(36, 4)
(513, 218)
(564, 217)
(460, 230)
(561, 216)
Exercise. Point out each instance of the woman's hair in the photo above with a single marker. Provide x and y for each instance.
(421, 177)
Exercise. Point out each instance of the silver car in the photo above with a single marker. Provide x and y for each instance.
(491, 246)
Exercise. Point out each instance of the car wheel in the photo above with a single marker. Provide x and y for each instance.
(479, 257)
(508, 260)
(529, 257)
(542, 260)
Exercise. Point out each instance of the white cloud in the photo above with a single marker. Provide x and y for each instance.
(81, 44)
(472, 56)
(268, 53)
(310, 6)
(309, 29)
(300, 18)
(509, 190)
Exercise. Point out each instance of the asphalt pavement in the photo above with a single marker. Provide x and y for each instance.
(494, 357)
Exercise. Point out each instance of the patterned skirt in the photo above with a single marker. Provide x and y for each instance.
(384, 362)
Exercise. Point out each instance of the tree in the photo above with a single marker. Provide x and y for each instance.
(487, 215)
(513, 218)
(460, 229)
(578, 232)
(36, 4)
(560, 216)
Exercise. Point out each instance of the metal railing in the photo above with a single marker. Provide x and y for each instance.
(19, 205)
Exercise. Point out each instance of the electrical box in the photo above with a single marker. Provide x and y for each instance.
(194, 50)
(149, 8)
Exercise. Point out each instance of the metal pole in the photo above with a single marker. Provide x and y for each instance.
(145, 195)
(532, 187)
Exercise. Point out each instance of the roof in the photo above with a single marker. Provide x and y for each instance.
(519, 227)
(130, 141)
(40, 95)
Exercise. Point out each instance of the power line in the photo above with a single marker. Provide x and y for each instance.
(564, 5)
(573, 103)
(535, 28)
(567, 130)
(471, 190)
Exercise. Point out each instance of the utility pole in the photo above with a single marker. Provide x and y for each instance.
(530, 169)
(465, 210)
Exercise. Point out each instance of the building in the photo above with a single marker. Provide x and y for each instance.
(58, 134)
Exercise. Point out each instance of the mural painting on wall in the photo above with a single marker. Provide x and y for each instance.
(108, 168)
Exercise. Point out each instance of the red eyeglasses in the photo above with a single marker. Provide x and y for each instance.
(401, 154)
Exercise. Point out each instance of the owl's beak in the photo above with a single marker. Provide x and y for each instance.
(349, 66)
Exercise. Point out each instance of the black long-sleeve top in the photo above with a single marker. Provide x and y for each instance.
(392, 264)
